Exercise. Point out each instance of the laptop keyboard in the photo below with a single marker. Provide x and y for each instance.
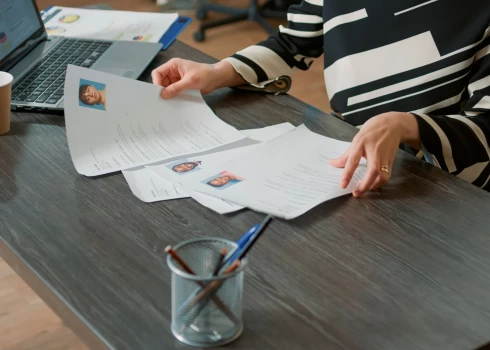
(45, 81)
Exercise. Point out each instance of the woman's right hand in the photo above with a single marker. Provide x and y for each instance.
(178, 75)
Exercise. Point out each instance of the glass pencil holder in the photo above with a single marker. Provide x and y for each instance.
(206, 308)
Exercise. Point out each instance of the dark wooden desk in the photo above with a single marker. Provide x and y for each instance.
(405, 268)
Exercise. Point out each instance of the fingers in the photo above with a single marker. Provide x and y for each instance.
(162, 75)
(381, 180)
(174, 89)
(369, 179)
(368, 184)
(168, 76)
(340, 162)
(166, 82)
(351, 164)
(158, 75)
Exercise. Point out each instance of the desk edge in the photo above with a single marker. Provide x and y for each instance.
(73, 320)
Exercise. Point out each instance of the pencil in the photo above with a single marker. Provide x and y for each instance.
(219, 303)
(217, 268)
(222, 256)
(176, 257)
(211, 289)
(236, 257)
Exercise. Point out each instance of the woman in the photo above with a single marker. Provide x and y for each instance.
(220, 181)
(185, 167)
(405, 73)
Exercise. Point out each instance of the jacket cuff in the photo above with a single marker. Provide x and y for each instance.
(277, 86)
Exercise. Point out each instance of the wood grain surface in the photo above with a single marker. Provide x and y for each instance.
(407, 267)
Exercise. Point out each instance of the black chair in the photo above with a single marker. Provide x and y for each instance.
(254, 12)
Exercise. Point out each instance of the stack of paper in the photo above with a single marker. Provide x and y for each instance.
(178, 148)
(171, 173)
(107, 24)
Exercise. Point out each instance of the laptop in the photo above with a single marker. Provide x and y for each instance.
(39, 63)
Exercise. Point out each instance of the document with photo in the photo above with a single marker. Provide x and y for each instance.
(115, 123)
(107, 24)
(149, 187)
(284, 177)
(173, 172)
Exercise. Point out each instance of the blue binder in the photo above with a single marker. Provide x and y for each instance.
(173, 32)
(166, 40)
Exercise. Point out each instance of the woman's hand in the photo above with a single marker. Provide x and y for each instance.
(178, 75)
(378, 141)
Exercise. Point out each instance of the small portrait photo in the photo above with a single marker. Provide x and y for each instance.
(184, 166)
(92, 95)
(223, 180)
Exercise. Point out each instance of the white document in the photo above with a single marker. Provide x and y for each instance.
(148, 187)
(220, 206)
(269, 132)
(173, 172)
(107, 25)
(115, 123)
(284, 177)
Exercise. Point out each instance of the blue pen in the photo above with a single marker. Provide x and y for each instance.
(242, 241)
(240, 244)
(237, 255)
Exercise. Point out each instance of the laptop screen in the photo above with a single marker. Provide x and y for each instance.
(19, 21)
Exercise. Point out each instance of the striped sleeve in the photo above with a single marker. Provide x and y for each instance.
(292, 47)
(459, 144)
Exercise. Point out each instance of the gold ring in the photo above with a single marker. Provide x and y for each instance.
(385, 169)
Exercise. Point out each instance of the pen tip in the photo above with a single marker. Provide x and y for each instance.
(224, 251)
(168, 248)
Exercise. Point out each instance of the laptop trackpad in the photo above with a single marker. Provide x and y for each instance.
(124, 60)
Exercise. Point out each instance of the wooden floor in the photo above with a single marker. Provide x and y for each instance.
(26, 322)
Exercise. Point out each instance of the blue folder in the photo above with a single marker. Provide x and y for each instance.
(166, 40)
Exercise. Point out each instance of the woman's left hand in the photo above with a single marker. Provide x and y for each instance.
(378, 141)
